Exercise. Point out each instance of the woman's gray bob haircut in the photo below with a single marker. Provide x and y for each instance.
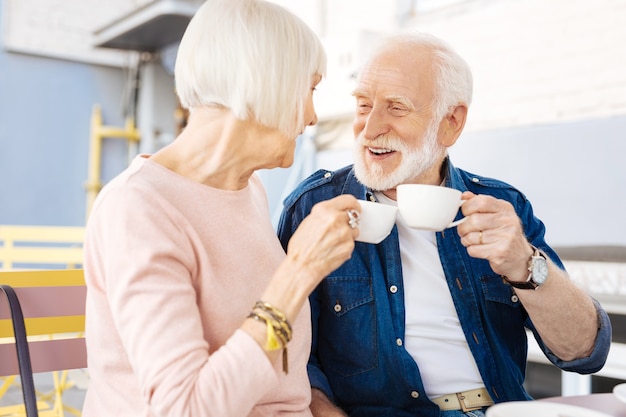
(251, 56)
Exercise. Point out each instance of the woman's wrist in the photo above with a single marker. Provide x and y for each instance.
(289, 289)
(277, 330)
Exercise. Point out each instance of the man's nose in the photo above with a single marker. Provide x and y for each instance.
(375, 124)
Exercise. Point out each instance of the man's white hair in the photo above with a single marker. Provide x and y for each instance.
(453, 76)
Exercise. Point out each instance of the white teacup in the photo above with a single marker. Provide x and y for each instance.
(376, 221)
(429, 207)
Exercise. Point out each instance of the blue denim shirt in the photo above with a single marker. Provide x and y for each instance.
(358, 357)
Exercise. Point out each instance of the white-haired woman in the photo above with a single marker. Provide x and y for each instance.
(193, 308)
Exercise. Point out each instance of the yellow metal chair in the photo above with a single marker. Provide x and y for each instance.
(41, 247)
(53, 305)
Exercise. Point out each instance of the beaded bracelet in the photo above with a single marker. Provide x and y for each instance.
(276, 315)
(277, 327)
(263, 305)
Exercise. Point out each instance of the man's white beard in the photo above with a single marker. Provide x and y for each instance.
(414, 162)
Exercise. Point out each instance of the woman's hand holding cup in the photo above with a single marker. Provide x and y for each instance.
(325, 238)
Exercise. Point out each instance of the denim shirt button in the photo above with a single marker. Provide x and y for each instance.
(327, 175)
(514, 298)
(337, 307)
(399, 342)
(393, 289)
(474, 179)
(415, 394)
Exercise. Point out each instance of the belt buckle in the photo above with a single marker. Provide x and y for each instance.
(465, 408)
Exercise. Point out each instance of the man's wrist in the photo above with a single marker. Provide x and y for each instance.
(537, 272)
(520, 273)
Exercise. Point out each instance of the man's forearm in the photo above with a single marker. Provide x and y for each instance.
(321, 406)
(563, 314)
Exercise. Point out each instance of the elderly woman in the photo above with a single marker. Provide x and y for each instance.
(193, 307)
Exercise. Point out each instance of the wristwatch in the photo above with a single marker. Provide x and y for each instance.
(538, 272)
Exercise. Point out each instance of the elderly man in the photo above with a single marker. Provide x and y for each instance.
(433, 323)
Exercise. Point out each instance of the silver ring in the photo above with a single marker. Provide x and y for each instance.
(353, 217)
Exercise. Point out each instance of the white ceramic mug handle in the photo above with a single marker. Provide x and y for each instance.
(456, 223)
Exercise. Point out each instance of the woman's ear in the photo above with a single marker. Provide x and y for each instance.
(452, 125)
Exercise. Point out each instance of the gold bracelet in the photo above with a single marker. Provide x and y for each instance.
(276, 337)
(275, 332)
(277, 315)
(269, 307)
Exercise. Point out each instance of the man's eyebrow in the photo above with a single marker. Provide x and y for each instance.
(401, 100)
(358, 93)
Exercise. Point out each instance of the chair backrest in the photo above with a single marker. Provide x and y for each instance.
(41, 247)
(53, 305)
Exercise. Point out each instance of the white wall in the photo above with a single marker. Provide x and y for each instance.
(63, 28)
(549, 107)
(537, 61)
(573, 173)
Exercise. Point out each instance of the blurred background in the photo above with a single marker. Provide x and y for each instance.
(85, 85)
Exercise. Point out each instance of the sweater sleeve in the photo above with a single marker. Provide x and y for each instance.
(141, 263)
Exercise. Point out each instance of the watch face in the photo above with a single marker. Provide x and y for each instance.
(539, 270)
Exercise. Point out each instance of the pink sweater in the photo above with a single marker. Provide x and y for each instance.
(173, 267)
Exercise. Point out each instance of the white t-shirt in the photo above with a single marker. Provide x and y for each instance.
(433, 337)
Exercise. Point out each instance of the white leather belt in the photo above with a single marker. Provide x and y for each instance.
(466, 400)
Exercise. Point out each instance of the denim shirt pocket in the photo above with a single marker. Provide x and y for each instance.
(497, 291)
(347, 345)
(506, 314)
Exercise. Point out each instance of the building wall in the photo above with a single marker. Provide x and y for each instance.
(45, 111)
(63, 29)
(51, 77)
(536, 61)
(572, 172)
(549, 110)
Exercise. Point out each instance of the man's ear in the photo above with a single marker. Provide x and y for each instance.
(452, 125)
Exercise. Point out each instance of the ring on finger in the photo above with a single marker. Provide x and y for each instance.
(480, 237)
(353, 218)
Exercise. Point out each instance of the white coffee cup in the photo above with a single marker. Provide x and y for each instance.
(376, 221)
(429, 207)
